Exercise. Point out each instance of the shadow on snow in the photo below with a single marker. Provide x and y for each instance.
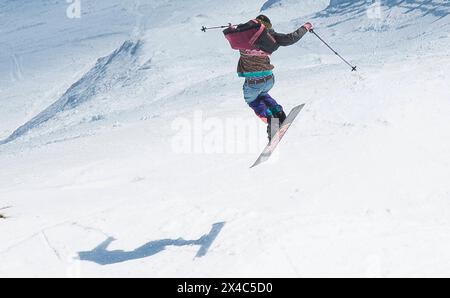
(102, 256)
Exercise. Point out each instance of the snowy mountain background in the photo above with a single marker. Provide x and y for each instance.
(125, 143)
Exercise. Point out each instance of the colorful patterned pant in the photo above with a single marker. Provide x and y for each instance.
(258, 98)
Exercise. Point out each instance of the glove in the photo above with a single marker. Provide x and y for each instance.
(308, 26)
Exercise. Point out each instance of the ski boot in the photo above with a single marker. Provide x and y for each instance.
(274, 123)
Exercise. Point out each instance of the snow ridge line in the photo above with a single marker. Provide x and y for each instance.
(438, 8)
(107, 73)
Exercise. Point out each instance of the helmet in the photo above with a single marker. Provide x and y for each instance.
(264, 20)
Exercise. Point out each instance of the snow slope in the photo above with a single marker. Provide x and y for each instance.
(127, 144)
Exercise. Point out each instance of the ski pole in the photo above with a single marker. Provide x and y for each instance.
(353, 67)
(219, 27)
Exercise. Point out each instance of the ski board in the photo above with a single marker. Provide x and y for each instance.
(270, 148)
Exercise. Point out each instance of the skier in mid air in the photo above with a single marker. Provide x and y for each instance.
(257, 40)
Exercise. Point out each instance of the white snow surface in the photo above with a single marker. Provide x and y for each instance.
(94, 111)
